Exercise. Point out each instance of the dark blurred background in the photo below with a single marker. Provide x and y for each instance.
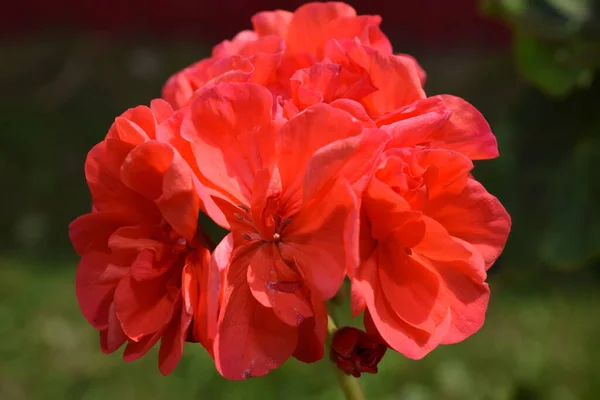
(68, 68)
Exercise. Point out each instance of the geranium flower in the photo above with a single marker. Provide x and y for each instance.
(430, 231)
(144, 272)
(287, 190)
(319, 150)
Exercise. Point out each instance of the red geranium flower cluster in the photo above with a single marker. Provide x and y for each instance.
(317, 148)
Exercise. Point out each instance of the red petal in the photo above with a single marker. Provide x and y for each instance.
(134, 126)
(438, 245)
(326, 82)
(396, 79)
(357, 300)
(179, 89)
(135, 350)
(265, 53)
(452, 170)
(275, 285)
(474, 216)
(312, 333)
(143, 307)
(222, 253)
(352, 158)
(231, 127)
(302, 136)
(147, 256)
(468, 300)
(134, 239)
(387, 210)
(94, 293)
(172, 341)
(444, 121)
(415, 123)
(315, 84)
(179, 202)
(365, 28)
(146, 266)
(443, 171)
(272, 23)
(355, 109)
(128, 131)
(464, 291)
(467, 131)
(251, 340)
(420, 70)
(112, 337)
(145, 166)
(370, 327)
(235, 45)
(201, 284)
(324, 233)
(307, 31)
(158, 172)
(412, 342)
(161, 109)
(109, 193)
(411, 289)
(91, 231)
(174, 194)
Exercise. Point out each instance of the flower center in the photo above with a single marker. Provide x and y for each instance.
(269, 228)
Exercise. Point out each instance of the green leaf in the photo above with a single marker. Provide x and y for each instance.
(577, 10)
(548, 67)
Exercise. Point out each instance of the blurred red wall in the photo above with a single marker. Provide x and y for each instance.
(430, 22)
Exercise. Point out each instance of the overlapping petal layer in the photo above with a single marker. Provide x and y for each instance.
(144, 268)
(423, 278)
(294, 231)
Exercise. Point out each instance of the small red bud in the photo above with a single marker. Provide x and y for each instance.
(355, 351)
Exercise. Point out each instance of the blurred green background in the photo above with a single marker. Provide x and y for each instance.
(61, 90)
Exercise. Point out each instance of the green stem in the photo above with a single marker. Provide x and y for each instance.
(348, 383)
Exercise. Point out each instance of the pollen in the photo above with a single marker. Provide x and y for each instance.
(276, 237)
